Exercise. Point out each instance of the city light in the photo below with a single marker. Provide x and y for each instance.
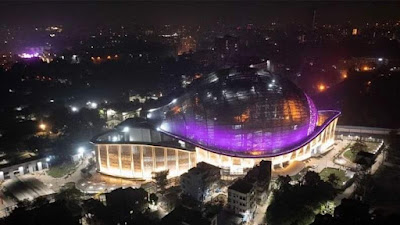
(28, 55)
(92, 105)
(366, 68)
(42, 126)
(380, 59)
(81, 150)
(126, 129)
(321, 87)
(74, 109)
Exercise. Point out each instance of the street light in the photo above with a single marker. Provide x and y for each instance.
(42, 126)
(321, 87)
(74, 109)
(81, 150)
(93, 105)
(125, 130)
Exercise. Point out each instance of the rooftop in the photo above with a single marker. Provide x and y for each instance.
(241, 186)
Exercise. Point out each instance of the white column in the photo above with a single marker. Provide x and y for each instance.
(39, 164)
(132, 166)
(141, 160)
(108, 157)
(119, 160)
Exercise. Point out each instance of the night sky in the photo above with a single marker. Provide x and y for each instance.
(192, 13)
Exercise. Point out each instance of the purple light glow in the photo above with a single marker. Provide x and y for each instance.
(28, 55)
(264, 144)
(313, 115)
(236, 140)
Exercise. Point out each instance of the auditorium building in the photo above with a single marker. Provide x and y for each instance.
(232, 118)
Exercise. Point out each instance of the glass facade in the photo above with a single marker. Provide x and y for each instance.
(242, 112)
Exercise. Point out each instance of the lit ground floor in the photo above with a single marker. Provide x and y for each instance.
(142, 160)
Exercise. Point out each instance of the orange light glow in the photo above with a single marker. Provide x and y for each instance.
(109, 57)
(243, 117)
(321, 87)
(98, 58)
(42, 126)
(343, 74)
(366, 68)
(116, 56)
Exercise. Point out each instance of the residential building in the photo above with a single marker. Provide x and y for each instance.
(200, 181)
(242, 198)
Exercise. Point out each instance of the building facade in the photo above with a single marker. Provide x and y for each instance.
(242, 198)
(11, 171)
(233, 119)
(200, 181)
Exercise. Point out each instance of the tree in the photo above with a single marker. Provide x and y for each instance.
(333, 179)
(298, 203)
(283, 182)
(363, 184)
(153, 198)
(311, 178)
(161, 179)
(358, 146)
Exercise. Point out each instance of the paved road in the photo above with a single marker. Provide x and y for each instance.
(327, 160)
(7, 204)
(26, 188)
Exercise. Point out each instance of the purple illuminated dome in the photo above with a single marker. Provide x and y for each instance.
(242, 112)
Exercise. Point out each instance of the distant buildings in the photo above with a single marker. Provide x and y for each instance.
(200, 181)
(188, 44)
(142, 98)
(114, 116)
(226, 46)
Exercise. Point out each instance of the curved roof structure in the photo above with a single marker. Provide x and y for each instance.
(240, 112)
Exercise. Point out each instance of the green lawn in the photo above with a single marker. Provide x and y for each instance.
(61, 170)
(340, 174)
(348, 154)
(371, 146)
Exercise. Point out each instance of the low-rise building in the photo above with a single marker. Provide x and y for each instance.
(21, 167)
(200, 181)
(260, 177)
(242, 198)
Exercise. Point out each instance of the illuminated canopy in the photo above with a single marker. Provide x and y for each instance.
(240, 112)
